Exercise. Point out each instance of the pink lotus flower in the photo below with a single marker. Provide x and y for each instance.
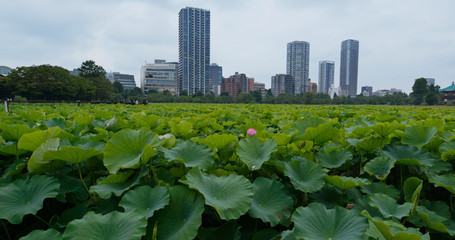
(251, 132)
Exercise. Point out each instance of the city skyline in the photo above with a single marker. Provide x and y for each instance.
(398, 44)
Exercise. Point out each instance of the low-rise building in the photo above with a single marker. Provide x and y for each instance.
(282, 83)
(4, 70)
(126, 80)
(160, 76)
(261, 87)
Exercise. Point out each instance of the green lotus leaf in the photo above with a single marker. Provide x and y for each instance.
(407, 155)
(379, 167)
(38, 163)
(418, 135)
(254, 153)
(288, 235)
(321, 134)
(271, 202)
(125, 148)
(31, 141)
(449, 155)
(344, 183)
(228, 231)
(191, 154)
(2, 140)
(55, 122)
(14, 132)
(145, 200)
(370, 144)
(388, 207)
(333, 159)
(72, 154)
(282, 139)
(114, 225)
(219, 141)
(180, 219)
(435, 221)
(10, 149)
(115, 185)
(182, 129)
(378, 187)
(383, 129)
(303, 124)
(385, 230)
(49, 234)
(446, 181)
(306, 176)
(317, 222)
(22, 197)
(361, 132)
(412, 188)
(447, 146)
(231, 196)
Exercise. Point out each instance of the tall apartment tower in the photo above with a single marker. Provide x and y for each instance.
(194, 50)
(349, 66)
(297, 64)
(326, 76)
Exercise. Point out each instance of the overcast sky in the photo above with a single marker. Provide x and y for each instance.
(399, 40)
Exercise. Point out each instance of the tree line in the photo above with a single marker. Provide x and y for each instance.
(54, 83)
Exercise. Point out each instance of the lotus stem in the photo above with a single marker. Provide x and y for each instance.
(450, 197)
(83, 182)
(6, 229)
(42, 220)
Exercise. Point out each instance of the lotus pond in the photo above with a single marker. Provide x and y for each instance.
(201, 171)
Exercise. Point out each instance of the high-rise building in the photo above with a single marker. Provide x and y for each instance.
(326, 76)
(216, 76)
(194, 50)
(230, 86)
(236, 83)
(283, 83)
(367, 91)
(127, 80)
(430, 81)
(349, 66)
(160, 76)
(297, 64)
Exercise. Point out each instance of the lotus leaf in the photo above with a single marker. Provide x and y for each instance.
(114, 225)
(228, 231)
(271, 202)
(344, 183)
(191, 154)
(379, 187)
(220, 141)
(231, 196)
(305, 175)
(125, 148)
(145, 200)
(446, 181)
(180, 219)
(447, 146)
(317, 222)
(254, 153)
(38, 163)
(370, 144)
(388, 206)
(303, 124)
(407, 155)
(435, 221)
(419, 135)
(105, 189)
(321, 134)
(412, 188)
(333, 159)
(379, 167)
(23, 197)
(49, 234)
(15, 132)
(72, 154)
(31, 141)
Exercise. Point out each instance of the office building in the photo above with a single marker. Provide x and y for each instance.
(126, 80)
(297, 64)
(326, 76)
(349, 65)
(160, 76)
(216, 76)
(194, 50)
(260, 87)
(282, 83)
(230, 86)
(236, 83)
(367, 91)
(430, 81)
(4, 70)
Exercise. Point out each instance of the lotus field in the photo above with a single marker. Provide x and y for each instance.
(200, 171)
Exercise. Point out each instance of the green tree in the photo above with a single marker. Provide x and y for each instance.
(118, 87)
(308, 97)
(419, 90)
(97, 76)
(183, 93)
(257, 94)
(224, 94)
(432, 97)
(198, 93)
(244, 97)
